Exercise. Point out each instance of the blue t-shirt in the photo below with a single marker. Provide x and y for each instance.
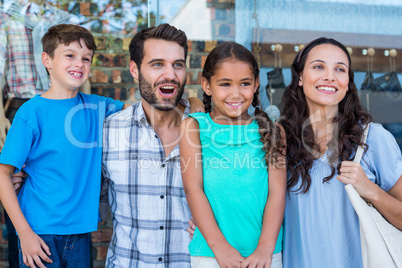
(60, 142)
(235, 178)
(321, 228)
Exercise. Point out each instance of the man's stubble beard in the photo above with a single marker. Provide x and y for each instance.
(148, 93)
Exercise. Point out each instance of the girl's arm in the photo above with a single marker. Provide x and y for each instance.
(33, 247)
(273, 213)
(191, 167)
(389, 204)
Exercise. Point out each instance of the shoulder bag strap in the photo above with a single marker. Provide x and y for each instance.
(360, 150)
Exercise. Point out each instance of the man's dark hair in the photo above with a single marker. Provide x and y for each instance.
(164, 31)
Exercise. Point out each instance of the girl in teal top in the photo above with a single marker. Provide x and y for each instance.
(226, 159)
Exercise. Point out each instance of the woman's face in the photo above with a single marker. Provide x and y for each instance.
(325, 77)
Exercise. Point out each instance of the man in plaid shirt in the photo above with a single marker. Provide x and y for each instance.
(141, 157)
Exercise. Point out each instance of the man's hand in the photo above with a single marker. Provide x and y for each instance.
(196, 105)
(191, 227)
(18, 179)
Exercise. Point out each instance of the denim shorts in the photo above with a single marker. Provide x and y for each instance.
(209, 262)
(68, 251)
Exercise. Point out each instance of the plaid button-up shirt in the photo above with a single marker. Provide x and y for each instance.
(149, 208)
(17, 65)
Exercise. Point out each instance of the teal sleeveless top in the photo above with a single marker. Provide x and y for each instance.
(235, 178)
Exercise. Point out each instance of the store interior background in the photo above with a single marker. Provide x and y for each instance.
(259, 25)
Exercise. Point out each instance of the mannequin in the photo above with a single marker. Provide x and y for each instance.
(4, 122)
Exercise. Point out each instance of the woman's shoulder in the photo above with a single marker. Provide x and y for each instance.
(382, 161)
(377, 132)
(381, 142)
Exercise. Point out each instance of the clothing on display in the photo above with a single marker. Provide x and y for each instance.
(388, 82)
(27, 15)
(368, 82)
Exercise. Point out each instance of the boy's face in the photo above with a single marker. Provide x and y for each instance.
(70, 66)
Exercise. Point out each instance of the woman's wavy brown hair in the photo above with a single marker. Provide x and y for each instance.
(349, 124)
(270, 132)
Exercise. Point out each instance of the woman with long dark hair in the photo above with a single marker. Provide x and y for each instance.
(324, 123)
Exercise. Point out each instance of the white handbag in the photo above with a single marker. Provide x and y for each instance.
(381, 242)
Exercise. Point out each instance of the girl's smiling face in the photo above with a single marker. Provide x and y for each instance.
(325, 77)
(232, 89)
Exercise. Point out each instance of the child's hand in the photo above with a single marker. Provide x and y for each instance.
(228, 257)
(34, 250)
(259, 258)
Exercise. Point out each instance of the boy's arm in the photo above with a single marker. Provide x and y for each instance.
(273, 212)
(33, 247)
(112, 105)
(126, 105)
(196, 105)
(192, 175)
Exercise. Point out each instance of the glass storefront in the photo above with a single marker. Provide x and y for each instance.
(276, 30)
(273, 30)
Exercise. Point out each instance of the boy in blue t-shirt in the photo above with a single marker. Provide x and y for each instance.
(58, 135)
